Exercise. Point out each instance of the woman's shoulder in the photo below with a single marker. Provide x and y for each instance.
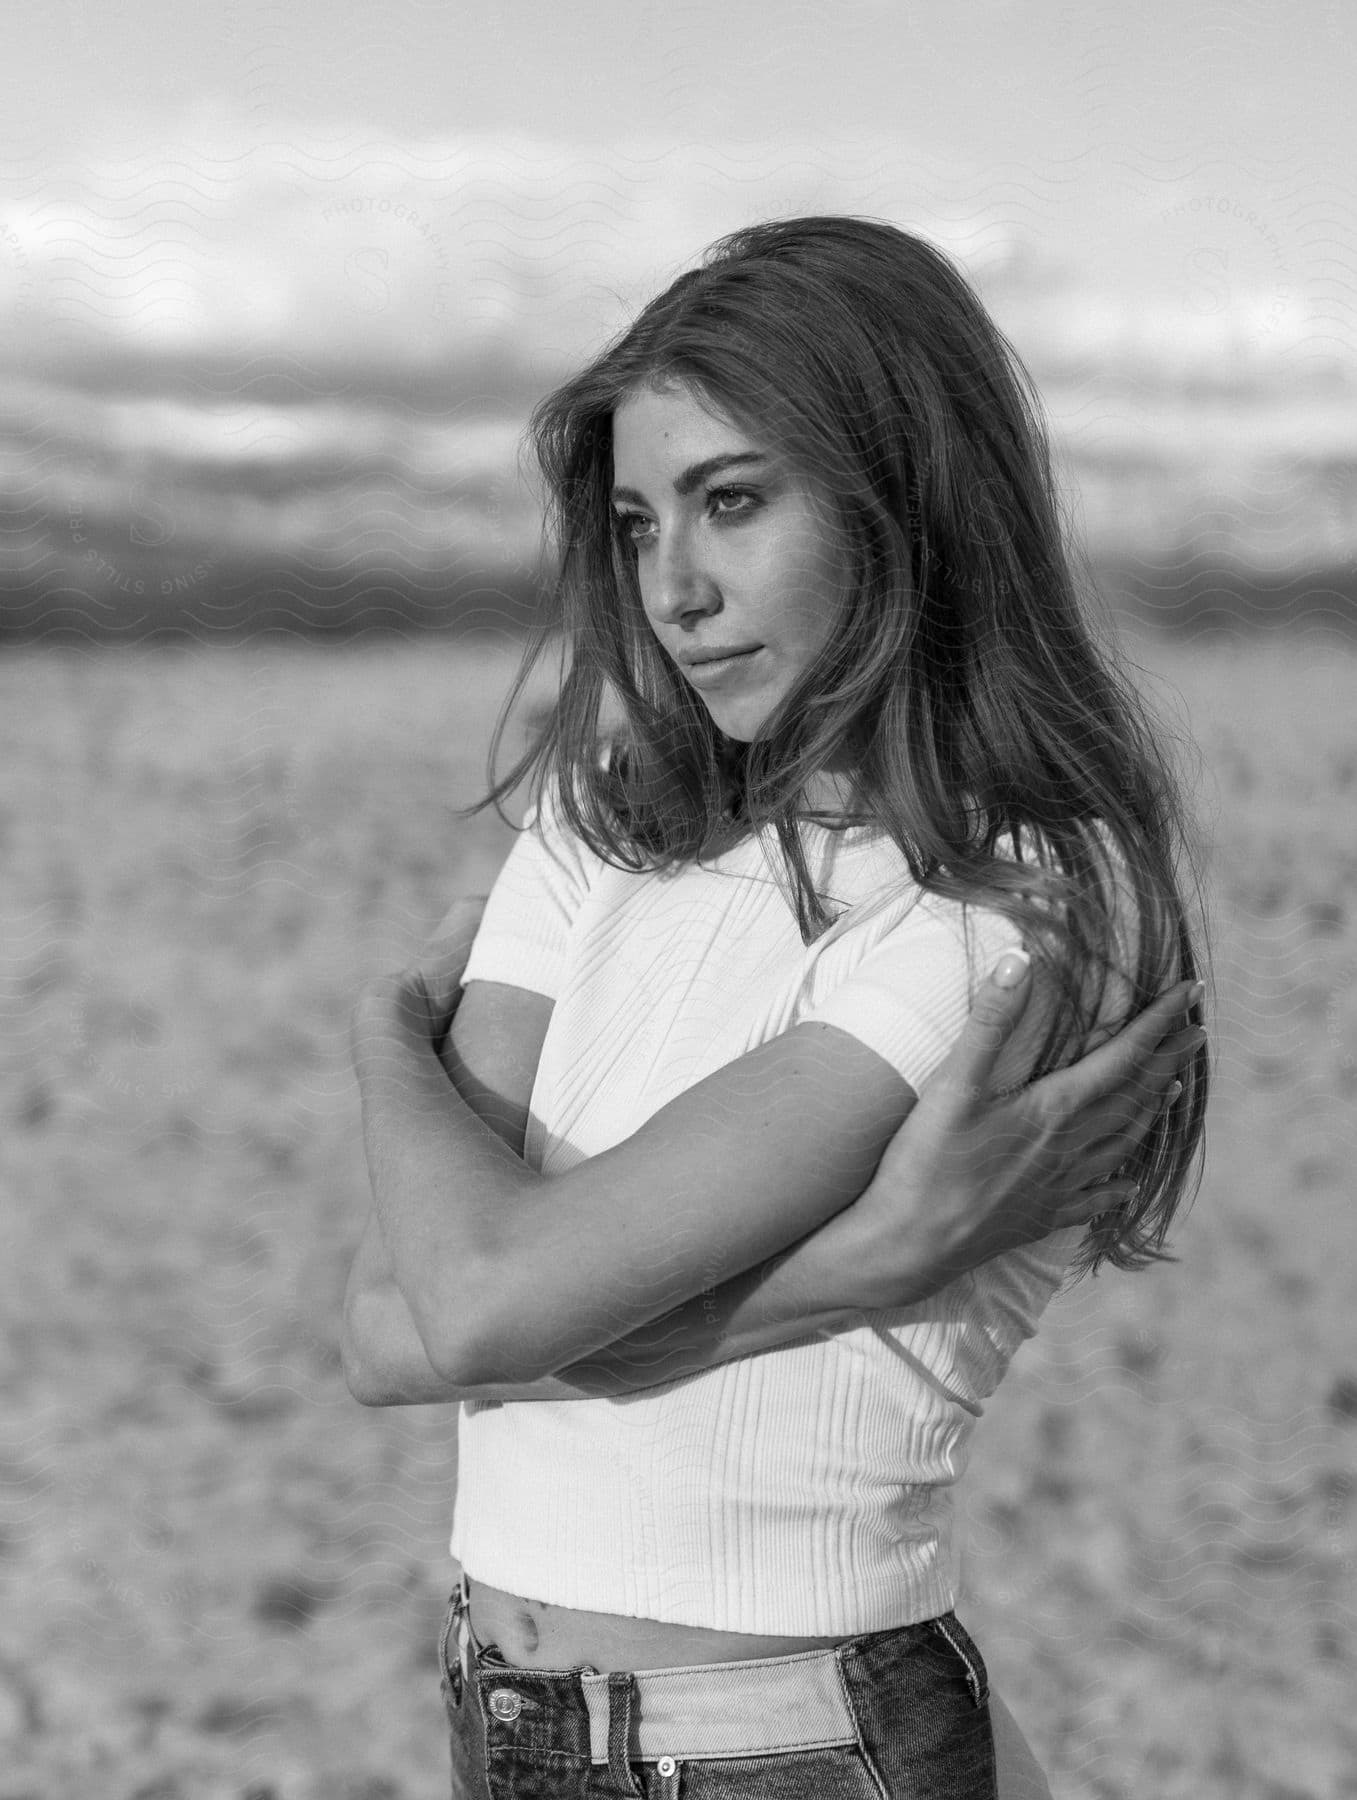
(883, 896)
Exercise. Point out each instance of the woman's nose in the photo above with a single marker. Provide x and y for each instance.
(679, 583)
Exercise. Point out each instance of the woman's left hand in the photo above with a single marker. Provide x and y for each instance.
(428, 988)
(972, 1173)
(435, 976)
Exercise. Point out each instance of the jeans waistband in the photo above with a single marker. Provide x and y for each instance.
(756, 1707)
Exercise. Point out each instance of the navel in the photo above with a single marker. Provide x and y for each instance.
(527, 1627)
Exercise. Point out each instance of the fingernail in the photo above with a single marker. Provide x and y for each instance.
(1011, 967)
(1196, 993)
(1174, 1091)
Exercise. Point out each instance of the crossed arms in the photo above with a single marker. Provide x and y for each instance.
(510, 1276)
(753, 1210)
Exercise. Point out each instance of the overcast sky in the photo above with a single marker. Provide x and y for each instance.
(1199, 152)
(1074, 96)
(1048, 81)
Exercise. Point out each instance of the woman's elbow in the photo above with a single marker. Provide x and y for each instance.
(360, 1376)
(382, 1346)
(493, 1348)
(365, 1389)
(477, 1327)
(360, 1359)
(458, 1339)
(487, 1360)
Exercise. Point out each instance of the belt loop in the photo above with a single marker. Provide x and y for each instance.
(596, 1700)
(463, 1609)
(456, 1677)
(621, 1688)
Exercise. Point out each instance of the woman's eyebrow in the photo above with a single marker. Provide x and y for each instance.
(695, 474)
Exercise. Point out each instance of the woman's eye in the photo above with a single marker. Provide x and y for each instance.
(728, 503)
(634, 528)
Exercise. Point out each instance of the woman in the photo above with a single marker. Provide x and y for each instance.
(866, 750)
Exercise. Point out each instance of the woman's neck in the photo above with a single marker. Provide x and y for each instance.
(829, 791)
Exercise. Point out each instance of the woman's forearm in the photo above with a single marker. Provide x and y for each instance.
(787, 1298)
(456, 1210)
(385, 1362)
(449, 1193)
(441, 1177)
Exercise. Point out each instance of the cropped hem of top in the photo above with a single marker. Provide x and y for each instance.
(806, 1491)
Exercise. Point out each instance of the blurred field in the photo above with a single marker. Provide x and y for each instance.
(223, 1578)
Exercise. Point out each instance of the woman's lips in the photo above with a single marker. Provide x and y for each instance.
(710, 673)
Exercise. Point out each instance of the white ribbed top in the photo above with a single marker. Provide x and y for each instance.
(807, 1490)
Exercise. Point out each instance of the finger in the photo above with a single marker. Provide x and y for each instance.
(464, 908)
(1157, 1032)
(1145, 1083)
(1176, 1002)
(1127, 1140)
(441, 965)
(968, 1066)
(456, 930)
(1099, 1205)
(1180, 998)
(1167, 1062)
(463, 915)
(1099, 1146)
(1165, 1013)
(1134, 1108)
(1123, 1059)
(448, 944)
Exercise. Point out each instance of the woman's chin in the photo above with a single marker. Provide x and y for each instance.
(739, 731)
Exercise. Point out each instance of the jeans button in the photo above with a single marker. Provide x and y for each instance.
(665, 1766)
(506, 1704)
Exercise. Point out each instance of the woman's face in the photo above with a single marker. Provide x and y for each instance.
(739, 561)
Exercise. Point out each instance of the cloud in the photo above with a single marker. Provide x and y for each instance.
(405, 253)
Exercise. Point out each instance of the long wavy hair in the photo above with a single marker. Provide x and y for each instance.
(987, 731)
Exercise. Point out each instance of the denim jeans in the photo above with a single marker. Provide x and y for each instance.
(915, 1701)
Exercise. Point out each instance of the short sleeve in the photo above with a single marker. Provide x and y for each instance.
(525, 930)
(908, 995)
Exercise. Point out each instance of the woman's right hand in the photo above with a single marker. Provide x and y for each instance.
(971, 1174)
